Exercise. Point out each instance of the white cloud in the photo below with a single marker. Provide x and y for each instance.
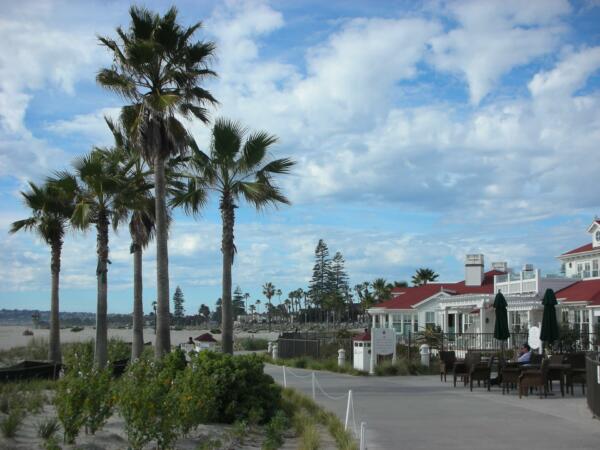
(570, 74)
(494, 38)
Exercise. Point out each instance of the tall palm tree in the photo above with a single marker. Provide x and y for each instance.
(51, 209)
(382, 289)
(237, 167)
(140, 208)
(158, 68)
(424, 276)
(269, 292)
(99, 202)
(246, 297)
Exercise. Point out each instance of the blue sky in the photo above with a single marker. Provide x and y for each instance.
(423, 131)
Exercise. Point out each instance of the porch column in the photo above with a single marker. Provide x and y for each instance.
(374, 320)
(591, 321)
(390, 320)
(412, 323)
(482, 318)
(528, 319)
(445, 320)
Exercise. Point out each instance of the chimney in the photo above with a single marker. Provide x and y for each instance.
(501, 266)
(473, 270)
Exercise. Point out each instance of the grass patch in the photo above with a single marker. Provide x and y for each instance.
(11, 423)
(47, 429)
(251, 344)
(302, 362)
(307, 408)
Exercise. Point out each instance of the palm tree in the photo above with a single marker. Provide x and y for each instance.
(381, 289)
(51, 209)
(269, 292)
(158, 68)
(424, 276)
(99, 201)
(246, 297)
(141, 224)
(234, 169)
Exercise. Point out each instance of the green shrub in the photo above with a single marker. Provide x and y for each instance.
(11, 423)
(83, 395)
(149, 403)
(118, 349)
(217, 387)
(48, 428)
(76, 329)
(215, 331)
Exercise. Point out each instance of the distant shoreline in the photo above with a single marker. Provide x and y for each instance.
(12, 335)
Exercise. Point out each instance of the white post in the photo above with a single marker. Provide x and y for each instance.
(374, 318)
(363, 431)
(348, 406)
(341, 357)
(372, 365)
(395, 345)
(412, 323)
(482, 327)
(390, 321)
(284, 379)
(314, 393)
(275, 352)
(591, 330)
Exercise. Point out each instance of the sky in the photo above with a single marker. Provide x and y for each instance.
(423, 131)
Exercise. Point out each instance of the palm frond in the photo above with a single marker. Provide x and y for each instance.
(256, 148)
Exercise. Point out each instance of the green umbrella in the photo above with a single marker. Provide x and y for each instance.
(549, 331)
(501, 326)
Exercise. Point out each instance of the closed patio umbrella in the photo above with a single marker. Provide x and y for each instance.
(549, 332)
(501, 326)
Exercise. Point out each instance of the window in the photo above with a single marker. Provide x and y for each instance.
(416, 327)
(580, 270)
(595, 268)
(430, 319)
(586, 272)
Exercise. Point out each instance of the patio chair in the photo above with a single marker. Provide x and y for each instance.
(576, 373)
(481, 371)
(555, 374)
(447, 360)
(531, 378)
(509, 375)
(461, 369)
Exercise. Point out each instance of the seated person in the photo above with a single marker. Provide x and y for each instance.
(190, 341)
(524, 354)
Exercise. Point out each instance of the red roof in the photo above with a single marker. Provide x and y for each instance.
(366, 336)
(206, 337)
(582, 249)
(406, 298)
(585, 290)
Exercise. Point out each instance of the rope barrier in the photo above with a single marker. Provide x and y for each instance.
(287, 369)
(331, 397)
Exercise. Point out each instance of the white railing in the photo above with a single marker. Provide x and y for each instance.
(517, 283)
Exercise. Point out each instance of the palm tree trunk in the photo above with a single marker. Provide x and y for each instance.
(137, 345)
(54, 353)
(228, 218)
(163, 331)
(101, 351)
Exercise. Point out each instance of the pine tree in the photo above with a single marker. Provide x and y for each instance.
(237, 302)
(319, 286)
(178, 310)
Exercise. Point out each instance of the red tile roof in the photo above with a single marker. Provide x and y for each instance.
(366, 336)
(206, 337)
(583, 248)
(585, 290)
(406, 298)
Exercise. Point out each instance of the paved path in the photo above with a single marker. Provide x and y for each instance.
(420, 412)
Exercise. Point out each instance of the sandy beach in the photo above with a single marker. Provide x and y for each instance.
(12, 336)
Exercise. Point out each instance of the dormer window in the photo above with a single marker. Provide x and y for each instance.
(598, 236)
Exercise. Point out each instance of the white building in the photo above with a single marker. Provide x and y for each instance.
(466, 306)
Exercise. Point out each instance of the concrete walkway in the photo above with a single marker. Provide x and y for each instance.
(420, 412)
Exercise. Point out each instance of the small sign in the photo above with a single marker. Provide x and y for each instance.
(384, 341)
(534, 338)
(597, 312)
